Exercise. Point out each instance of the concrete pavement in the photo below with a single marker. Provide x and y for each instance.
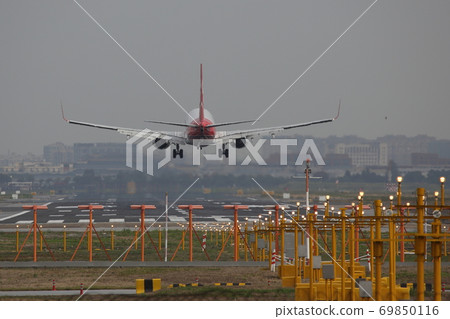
(106, 264)
(68, 292)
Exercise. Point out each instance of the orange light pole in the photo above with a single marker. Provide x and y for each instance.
(40, 238)
(35, 229)
(236, 227)
(88, 231)
(359, 214)
(442, 180)
(190, 208)
(276, 220)
(400, 213)
(64, 239)
(420, 245)
(91, 210)
(112, 237)
(142, 226)
(17, 237)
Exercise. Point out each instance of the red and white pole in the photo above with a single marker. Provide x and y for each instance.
(272, 266)
(81, 289)
(204, 242)
(53, 287)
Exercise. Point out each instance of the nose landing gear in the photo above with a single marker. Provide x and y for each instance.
(177, 151)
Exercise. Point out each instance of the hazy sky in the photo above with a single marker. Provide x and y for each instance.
(394, 62)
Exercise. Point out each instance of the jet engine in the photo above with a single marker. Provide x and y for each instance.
(240, 142)
(161, 144)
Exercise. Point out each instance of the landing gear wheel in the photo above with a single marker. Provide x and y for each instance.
(223, 151)
(177, 151)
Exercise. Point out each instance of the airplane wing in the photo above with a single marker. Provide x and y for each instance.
(172, 137)
(271, 130)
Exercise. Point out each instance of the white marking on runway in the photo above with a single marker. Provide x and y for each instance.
(67, 207)
(55, 221)
(56, 215)
(84, 221)
(14, 215)
(221, 219)
(64, 211)
(177, 219)
(117, 220)
(24, 222)
(106, 215)
(82, 215)
(148, 219)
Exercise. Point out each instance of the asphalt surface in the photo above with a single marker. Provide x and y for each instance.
(106, 264)
(68, 292)
(65, 211)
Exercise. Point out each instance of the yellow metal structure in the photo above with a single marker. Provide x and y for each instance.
(345, 277)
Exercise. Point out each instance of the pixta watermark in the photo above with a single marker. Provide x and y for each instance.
(142, 148)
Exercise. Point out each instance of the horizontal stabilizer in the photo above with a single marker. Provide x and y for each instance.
(172, 123)
(228, 123)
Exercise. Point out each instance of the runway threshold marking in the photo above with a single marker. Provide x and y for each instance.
(24, 222)
(15, 215)
(117, 220)
(221, 219)
(55, 221)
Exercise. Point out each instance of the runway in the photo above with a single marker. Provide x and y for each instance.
(63, 211)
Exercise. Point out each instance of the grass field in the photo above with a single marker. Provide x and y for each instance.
(154, 249)
(265, 285)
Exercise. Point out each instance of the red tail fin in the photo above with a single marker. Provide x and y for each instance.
(201, 115)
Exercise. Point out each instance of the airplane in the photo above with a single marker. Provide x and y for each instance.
(200, 130)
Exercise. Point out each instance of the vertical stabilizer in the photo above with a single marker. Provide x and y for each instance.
(201, 108)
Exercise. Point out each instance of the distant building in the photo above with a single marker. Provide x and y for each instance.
(37, 168)
(20, 186)
(84, 152)
(58, 153)
(338, 160)
(367, 154)
(440, 147)
(428, 159)
(401, 147)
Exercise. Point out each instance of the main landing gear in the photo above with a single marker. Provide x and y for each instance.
(223, 151)
(177, 151)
